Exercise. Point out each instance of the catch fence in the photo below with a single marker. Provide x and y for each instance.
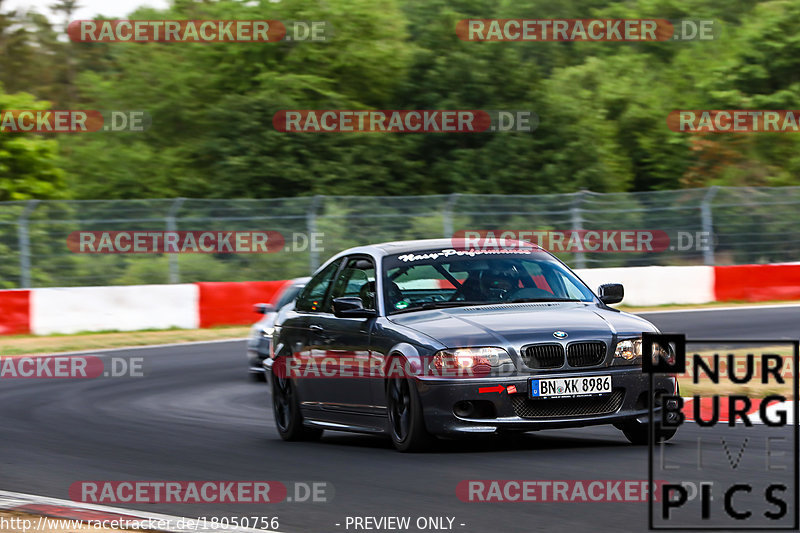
(742, 225)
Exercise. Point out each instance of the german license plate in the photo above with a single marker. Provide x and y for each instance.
(570, 387)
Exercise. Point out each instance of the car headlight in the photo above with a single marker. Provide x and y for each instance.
(629, 349)
(275, 334)
(266, 332)
(471, 361)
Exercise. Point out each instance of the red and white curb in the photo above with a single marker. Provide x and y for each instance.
(753, 413)
(55, 509)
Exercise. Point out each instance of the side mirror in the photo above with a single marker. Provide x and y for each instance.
(611, 293)
(351, 307)
(263, 309)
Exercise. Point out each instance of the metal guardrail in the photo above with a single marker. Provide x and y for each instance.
(745, 225)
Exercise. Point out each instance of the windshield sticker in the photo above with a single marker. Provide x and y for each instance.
(402, 304)
(451, 252)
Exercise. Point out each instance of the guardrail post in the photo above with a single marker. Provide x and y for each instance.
(447, 215)
(577, 225)
(174, 268)
(707, 222)
(311, 227)
(25, 245)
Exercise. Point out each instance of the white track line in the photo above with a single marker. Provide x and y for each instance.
(12, 500)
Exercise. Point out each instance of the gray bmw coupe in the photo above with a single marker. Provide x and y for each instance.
(425, 339)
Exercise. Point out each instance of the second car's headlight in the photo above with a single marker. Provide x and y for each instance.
(481, 360)
(629, 351)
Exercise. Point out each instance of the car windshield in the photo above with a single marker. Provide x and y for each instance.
(450, 278)
(289, 294)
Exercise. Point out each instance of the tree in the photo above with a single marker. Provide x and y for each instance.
(29, 164)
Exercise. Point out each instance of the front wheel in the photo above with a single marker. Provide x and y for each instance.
(286, 409)
(639, 433)
(406, 424)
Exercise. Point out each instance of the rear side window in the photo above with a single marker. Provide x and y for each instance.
(312, 296)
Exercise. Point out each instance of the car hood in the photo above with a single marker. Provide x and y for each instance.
(513, 325)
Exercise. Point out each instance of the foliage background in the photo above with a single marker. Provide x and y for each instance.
(602, 106)
(602, 109)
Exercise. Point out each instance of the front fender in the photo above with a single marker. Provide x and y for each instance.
(413, 360)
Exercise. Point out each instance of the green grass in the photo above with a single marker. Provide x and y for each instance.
(50, 344)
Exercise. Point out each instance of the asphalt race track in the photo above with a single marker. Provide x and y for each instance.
(195, 416)
(768, 322)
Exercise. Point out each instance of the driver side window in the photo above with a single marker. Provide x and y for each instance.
(356, 279)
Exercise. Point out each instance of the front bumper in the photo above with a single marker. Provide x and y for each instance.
(495, 411)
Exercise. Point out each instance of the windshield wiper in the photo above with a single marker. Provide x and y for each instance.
(436, 305)
(526, 300)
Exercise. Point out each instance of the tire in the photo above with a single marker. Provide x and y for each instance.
(406, 423)
(286, 409)
(639, 434)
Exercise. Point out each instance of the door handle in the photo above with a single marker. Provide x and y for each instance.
(315, 327)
